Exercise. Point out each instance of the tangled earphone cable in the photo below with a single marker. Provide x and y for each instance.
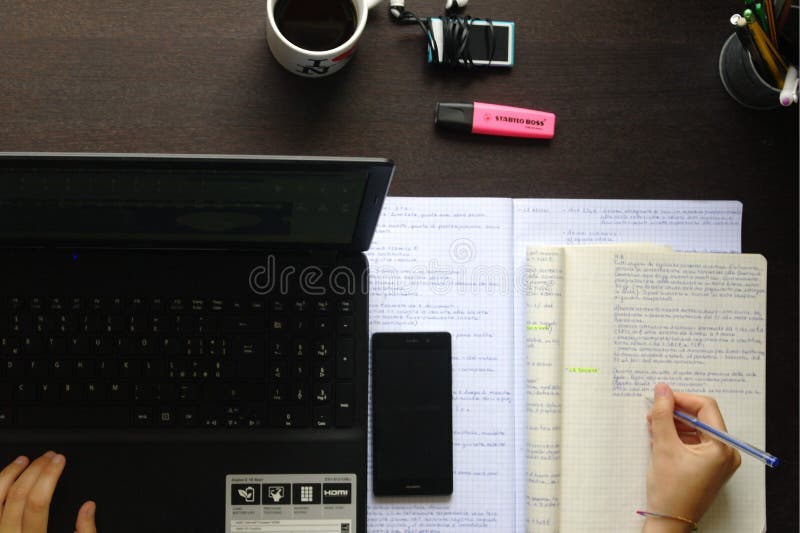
(455, 32)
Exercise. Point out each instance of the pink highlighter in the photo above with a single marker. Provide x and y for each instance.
(490, 119)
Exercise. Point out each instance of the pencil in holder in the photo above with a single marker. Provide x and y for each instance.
(741, 79)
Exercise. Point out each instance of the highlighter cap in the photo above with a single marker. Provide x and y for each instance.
(454, 116)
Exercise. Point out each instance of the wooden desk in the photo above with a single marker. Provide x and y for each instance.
(641, 114)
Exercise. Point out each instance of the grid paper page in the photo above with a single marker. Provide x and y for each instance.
(444, 264)
(631, 319)
(697, 226)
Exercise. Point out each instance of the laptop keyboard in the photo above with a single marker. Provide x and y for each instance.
(177, 362)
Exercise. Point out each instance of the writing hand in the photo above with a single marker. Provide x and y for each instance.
(687, 468)
(26, 490)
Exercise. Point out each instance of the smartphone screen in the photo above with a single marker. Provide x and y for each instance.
(412, 415)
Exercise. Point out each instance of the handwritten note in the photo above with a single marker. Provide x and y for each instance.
(545, 291)
(696, 321)
(682, 225)
(444, 264)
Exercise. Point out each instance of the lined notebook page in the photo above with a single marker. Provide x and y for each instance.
(444, 264)
(545, 286)
(545, 290)
(696, 226)
(695, 321)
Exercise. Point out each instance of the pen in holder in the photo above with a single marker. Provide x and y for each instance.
(741, 79)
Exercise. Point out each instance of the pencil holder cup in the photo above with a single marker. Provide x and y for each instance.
(741, 79)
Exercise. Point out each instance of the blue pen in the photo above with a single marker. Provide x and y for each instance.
(768, 459)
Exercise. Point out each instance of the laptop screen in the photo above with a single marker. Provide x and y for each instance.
(181, 201)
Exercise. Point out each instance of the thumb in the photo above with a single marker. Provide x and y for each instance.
(85, 522)
(664, 431)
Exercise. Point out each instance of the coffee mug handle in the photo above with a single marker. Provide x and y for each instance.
(373, 3)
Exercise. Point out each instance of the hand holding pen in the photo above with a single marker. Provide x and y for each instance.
(687, 468)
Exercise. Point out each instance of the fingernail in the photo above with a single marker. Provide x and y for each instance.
(91, 509)
(58, 459)
(21, 460)
(50, 454)
(662, 389)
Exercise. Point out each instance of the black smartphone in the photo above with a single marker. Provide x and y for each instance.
(412, 414)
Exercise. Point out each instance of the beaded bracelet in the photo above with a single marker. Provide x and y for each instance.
(659, 515)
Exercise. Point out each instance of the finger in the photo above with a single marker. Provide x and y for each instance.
(85, 522)
(689, 437)
(664, 431)
(14, 509)
(10, 474)
(680, 426)
(704, 408)
(37, 505)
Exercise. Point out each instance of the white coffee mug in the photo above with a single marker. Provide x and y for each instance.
(315, 63)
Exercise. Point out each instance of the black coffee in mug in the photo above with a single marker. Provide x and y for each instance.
(316, 24)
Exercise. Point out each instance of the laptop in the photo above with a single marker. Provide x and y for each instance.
(191, 333)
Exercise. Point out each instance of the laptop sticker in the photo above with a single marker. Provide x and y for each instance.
(284, 503)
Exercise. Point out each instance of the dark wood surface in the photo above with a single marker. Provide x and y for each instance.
(641, 114)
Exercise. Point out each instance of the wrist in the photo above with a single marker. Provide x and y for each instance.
(665, 525)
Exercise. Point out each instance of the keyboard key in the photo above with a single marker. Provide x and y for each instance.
(321, 349)
(165, 416)
(187, 416)
(278, 325)
(288, 417)
(299, 370)
(130, 369)
(321, 371)
(107, 369)
(36, 368)
(278, 392)
(243, 324)
(32, 346)
(94, 392)
(187, 325)
(47, 392)
(321, 417)
(345, 412)
(207, 325)
(24, 392)
(12, 368)
(277, 348)
(299, 348)
(78, 345)
(153, 369)
(188, 392)
(346, 325)
(344, 358)
(322, 393)
(84, 368)
(71, 416)
(277, 370)
(70, 392)
(300, 393)
(118, 392)
(143, 416)
(60, 368)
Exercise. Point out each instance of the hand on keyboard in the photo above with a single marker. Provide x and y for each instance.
(26, 489)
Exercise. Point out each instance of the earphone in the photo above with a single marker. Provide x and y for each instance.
(397, 7)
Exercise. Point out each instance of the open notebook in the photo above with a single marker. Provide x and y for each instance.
(606, 323)
(458, 265)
